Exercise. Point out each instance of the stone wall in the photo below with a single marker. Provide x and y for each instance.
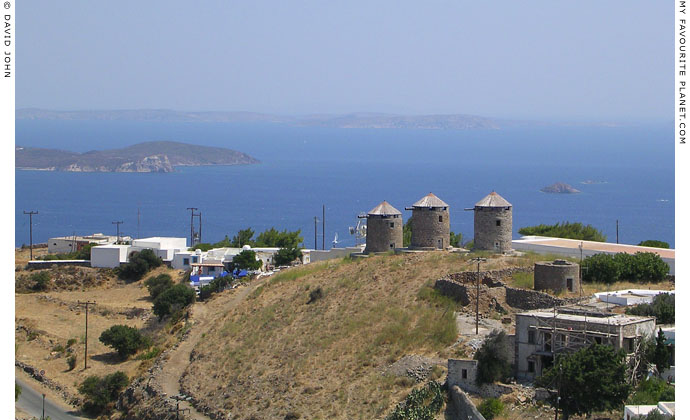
(532, 299)
(427, 230)
(464, 407)
(380, 234)
(486, 233)
(469, 384)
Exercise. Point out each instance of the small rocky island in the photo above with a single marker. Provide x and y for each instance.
(155, 156)
(560, 188)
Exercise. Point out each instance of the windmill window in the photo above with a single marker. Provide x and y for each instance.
(392, 245)
(464, 374)
(392, 224)
(530, 367)
(498, 223)
(440, 218)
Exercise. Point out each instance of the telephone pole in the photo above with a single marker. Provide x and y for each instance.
(86, 334)
(478, 261)
(191, 226)
(323, 229)
(316, 228)
(200, 241)
(118, 230)
(616, 230)
(31, 233)
(177, 407)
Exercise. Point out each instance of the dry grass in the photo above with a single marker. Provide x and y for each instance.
(326, 359)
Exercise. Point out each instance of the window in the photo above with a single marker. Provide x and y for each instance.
(392, 245)
(392, 224)
(530, 337)
(440, 218)
(211, 269)
(498, 223)
(464, 374)
(195, 259)
(569, 284)
(185, 261)
(597, 340)
(547, 342)
(530, 367)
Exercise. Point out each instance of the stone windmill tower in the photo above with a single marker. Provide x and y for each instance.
(493, 224)
(384, 229)
(430, 223)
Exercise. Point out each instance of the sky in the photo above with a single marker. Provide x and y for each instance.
(541, 60)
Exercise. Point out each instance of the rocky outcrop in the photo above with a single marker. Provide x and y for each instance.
(560, 188)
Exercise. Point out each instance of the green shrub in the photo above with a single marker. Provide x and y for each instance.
(651, 391)
(101, 393)
(421, 404)
(157, 285)
(315, 295)
(41, 280)
(494, 358)
(640, 267)
(663, 308)
(151, 354)
(565, 230)
(654, 244)
(600, 268)
(246, 260)
(125, 340)
(172, 300)
(71, 342)
(17, 391)
(490, 408)
(72, 362)
(140, 262)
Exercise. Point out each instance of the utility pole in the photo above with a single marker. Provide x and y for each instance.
(31, 233)
(43, 410)
(323, 229)
(118, 230)
(177, 407)
(86, 334)
(316, 228)
(200, 241)
(478, 261)
(138, 222)
(191, 226)
(616, 230)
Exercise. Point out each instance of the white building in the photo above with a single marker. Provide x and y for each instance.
(109, 256)
(183, 260)
(163, 247)
(630, 296)
(68, 244)
(668, 409)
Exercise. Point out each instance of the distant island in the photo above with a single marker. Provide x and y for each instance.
(560, 188)
(154, 156)
(592, 182)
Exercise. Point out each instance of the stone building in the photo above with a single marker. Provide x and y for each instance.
(384, 229)
(493, 224)
(557, 275)
(541, 335)
(430, 223)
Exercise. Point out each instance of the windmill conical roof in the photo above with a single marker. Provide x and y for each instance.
(430, 200)
(384, 209)
(493, 200)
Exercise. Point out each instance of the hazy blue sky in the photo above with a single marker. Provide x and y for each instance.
(593, 60)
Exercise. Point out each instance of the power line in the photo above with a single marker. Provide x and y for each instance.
(31, 233)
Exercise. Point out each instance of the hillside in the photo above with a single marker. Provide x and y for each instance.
(275, 353)
(155, 156)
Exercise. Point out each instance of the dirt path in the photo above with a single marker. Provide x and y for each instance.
(201, 319)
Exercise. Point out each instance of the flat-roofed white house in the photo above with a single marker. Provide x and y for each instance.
(164, 247)
(109, 256)
(68, 244)
(667, 409)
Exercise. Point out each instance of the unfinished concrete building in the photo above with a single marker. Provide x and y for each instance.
(384, 229)
(557, 275)
(430, 223)
(493, 224)
(541, 335)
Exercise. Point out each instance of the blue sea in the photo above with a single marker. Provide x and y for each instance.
(350, 171)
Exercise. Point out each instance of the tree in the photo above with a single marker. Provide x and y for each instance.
(246, 260)
(662, 354)
(455, 239)
(649, 266)
(157, 285)
(654, 244)
(285, 256)
(125, 340)
(494, 358)
(591, 379)
(172, 300)
(407, 232)
(100, 393)
(243, 237)
(600, 268)
(651, 391)
(274, 238)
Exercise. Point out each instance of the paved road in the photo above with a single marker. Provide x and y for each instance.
(31, 402)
